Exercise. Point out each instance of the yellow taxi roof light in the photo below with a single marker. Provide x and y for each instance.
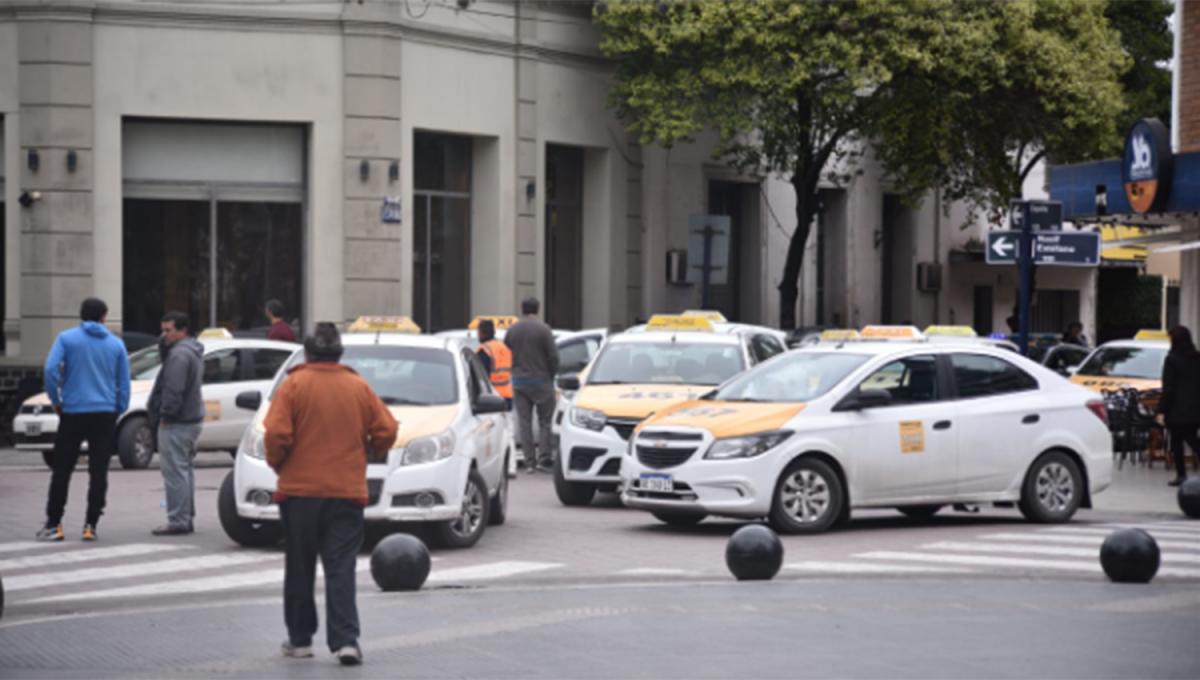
(678, 322)
(891, 333)
(839, 335)
(501, 323)
(383, 324)
(1152, 334)
(954, 331)
(222, 333)
(710, 314)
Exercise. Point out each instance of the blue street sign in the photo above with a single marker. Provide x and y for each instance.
(1062, 248)
(1043, 215)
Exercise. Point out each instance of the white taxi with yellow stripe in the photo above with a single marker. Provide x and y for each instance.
(231, 365)
(1136, 363)
(671, 359)
(448, 464)
(806, 437)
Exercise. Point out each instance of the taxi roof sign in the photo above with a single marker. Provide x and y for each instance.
(502, 323)
(1152, 334)
(710, 314)
(383, 324)
(951, 331)
(218, 332)
(839, 335)
(891, 333)
(678, 322)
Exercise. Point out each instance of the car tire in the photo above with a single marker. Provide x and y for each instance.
(678, 519)
(241, 530)
(919, 511)
(498, 512)
(135, 443)
(1053, 489)
(467, 529)
(1, 598)
(48, 459)
(571, 494)
(808, 498)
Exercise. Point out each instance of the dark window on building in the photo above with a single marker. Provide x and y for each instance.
(441, 230)
(564, 236)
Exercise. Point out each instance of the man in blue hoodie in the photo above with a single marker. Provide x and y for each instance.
(87, 378)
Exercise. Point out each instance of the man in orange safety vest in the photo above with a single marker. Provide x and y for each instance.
(497, 359)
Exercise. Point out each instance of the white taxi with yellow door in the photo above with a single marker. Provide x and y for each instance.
(231, 365)
(1136, 363)
(448, 465)
(671, 359)
(869, 423)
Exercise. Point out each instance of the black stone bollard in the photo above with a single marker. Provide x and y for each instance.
(1130, 556)
(400, 562)
(1189, 497)
(754, 553)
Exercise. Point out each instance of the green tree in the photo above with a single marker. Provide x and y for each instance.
(955, 94)
(1147, 40)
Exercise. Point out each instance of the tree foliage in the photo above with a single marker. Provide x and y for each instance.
(946, 92)
(1147, 41)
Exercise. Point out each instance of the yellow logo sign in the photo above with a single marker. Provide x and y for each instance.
(383, 324)
(1152, 334)
(502, 323)
(667, 322)
(710, 314)
(891, 333)
(955, 331)
(912, 436)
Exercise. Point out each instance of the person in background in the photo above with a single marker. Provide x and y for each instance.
(1074, 334)
(497, 360)
(324, 422)
(280, 329)
(1179, 407)
(535, 364)
(87, 380)
(176, 410)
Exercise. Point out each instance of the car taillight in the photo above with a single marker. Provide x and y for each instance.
(1097, 406)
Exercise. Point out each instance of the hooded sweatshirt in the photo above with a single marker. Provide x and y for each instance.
(176, 395)
(87, 371)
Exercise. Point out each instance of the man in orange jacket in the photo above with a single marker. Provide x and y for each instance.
(496, 358)
(323, 423)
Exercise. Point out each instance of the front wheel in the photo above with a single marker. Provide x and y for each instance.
(1052, 490)
(135, 443)
(467, 529)
(571, 493)
(808, 498)
(498, 512)
(241, 530)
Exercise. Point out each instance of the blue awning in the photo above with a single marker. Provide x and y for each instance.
(1077, 186)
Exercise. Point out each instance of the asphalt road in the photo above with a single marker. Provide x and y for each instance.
(609, 592)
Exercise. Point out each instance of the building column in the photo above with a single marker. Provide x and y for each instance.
(635, 268)
(530, 241)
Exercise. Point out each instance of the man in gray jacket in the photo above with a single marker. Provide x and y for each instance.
(535, 364)
(177, 408)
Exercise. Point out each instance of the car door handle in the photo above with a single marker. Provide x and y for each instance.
(1030, 419)
(942, 425)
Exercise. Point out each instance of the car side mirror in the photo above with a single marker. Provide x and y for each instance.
(1072, 370)
(489, 403)
(249, 400)
(569, 382)
(865, 399)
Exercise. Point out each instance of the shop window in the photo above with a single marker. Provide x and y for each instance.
(441, 230)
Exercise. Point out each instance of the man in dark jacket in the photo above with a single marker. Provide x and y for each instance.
(87, 380)
(177, 408)
(534, 366)
(1180, 403)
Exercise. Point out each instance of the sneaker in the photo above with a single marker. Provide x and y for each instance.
(296, 651)
(350, 655)
(50, 533)
(1176, 482)
(168, 530)
(89, 532)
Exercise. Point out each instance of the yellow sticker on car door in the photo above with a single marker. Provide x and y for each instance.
(212, 410)
(912, 436)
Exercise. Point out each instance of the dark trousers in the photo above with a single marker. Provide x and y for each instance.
(73, 430)
(1178, 434)
(333, 529)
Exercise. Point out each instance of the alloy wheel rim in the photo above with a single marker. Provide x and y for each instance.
(143, 446)
(805, 496)
(1055, 487)
(472, 511)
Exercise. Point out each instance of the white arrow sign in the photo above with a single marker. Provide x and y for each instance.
(1002, 247)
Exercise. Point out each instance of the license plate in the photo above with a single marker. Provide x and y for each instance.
(657, 483)
(33, 429)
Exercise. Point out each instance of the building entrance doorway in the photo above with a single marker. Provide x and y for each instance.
(441, 231)
(564, 236)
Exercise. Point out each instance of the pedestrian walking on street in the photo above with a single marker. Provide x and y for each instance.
(1179, 407)
(87, 378)
(535, 364)
(497, 360)
(1074, 334)
(324, 422)
(176, 410)
(280, 329)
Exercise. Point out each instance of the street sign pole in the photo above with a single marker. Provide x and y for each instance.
(1025, 264)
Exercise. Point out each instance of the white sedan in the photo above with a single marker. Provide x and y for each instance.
(806, 437)
(230, 366)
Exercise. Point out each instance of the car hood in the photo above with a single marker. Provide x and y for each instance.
(635, 401)
(726, 418)
(415, 421)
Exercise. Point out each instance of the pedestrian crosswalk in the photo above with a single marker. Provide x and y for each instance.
(82, 575)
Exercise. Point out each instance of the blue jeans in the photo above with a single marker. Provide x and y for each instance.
(176, 449)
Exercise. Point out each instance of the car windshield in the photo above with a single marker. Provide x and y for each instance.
(401, 376)
(144, 363)
(667, 363)
(1126, 362)
(795, 377)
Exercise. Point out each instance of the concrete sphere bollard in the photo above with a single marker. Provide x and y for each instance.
(754, 553)
(400, 562)
(1189, 497)
(1130, 556)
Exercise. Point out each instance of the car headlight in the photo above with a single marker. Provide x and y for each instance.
(587, 418)
(252, 444)
(746, 447)
(428, 449)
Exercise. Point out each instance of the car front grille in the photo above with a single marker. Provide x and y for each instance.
(656, 457)
(666, 448)
(623, 426)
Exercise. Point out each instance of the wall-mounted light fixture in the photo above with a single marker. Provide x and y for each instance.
(364, 170)
(530, 190)
(28, 198)
(72, 160)
(33, 160)
(394, 171)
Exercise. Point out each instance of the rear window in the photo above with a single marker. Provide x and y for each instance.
(977, 375)
(419, 376)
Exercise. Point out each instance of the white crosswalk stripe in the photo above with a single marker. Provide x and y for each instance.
(1023, 549)
(483, 572)
(80, 555)
(1084, 540)
(1153, 531)
(93, 575)
(870, 568)
(20, 546)
(1011, 562)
